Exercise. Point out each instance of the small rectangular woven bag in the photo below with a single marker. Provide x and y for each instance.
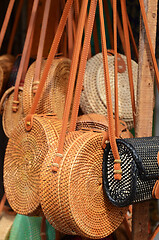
(140, 170)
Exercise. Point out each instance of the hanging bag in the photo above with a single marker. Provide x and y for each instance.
(12, 102)
(138, 159)
(71, 190)
(27, 148)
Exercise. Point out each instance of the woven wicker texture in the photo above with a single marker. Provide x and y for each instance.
(54, 92)
(93, 104)
(73, 199)
(98, 122)
(93, 97)
(10, 119)
(124, 99)
(6, 63)
(24, 155)
(25, 228)
(140, 170)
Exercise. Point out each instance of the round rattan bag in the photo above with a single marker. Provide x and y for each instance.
(54, 92)
(98, 122)
(25, 153)
(10, 119)
(124, 98)
(72, 198)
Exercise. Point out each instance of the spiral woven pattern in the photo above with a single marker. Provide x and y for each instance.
(92, 104)
(54, 92)
(24, 155)
(92, 121)
(10, 119)
(124, 99)
(73, 199)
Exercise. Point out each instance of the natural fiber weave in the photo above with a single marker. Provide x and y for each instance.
(140, 170)
(86, 103)
(10, 119)
(124, 99)
(24, 155)
(54, 92)
(93, 97)
(6, 63)
(98, 122)
(72, 199)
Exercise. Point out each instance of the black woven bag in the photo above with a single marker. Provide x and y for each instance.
(140, 170)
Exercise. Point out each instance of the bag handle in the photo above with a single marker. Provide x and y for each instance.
(59, 32)
(111, 132)
(6, 20)
(116, 66)
(15, 24)
(81, 71)
(25, 54)
(41, 46)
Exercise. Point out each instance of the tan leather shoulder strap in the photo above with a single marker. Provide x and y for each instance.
(41, 45)
(6, 20)
(117, 167)
(82, 65)
(70, 33)
(15, 24)
(72, 77)
(24, 54)
(50, 58)
(116, 68)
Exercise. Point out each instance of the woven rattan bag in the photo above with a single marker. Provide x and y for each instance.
(10, 118)
(140, 170)
(71, 190)
(54, 92)
(24, 155)
(27, 147)
(93, 97)
(13, 109)
(73, 199)
(98, 122)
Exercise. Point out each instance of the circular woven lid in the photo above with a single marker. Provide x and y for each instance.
(54, 92)
(92, 121)
(24, 155)
(90, 102)
(75, 194)
(10, 119)
(124, 99)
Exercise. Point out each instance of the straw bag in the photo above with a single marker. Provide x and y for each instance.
(98, 122)
(79, 206)
(27, 147)
(13, 107)
(54, 92)
(24, 154)
(93, 97)
(71, 190)
(140, 170)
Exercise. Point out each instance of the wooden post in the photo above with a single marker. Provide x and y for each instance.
(145, 103)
